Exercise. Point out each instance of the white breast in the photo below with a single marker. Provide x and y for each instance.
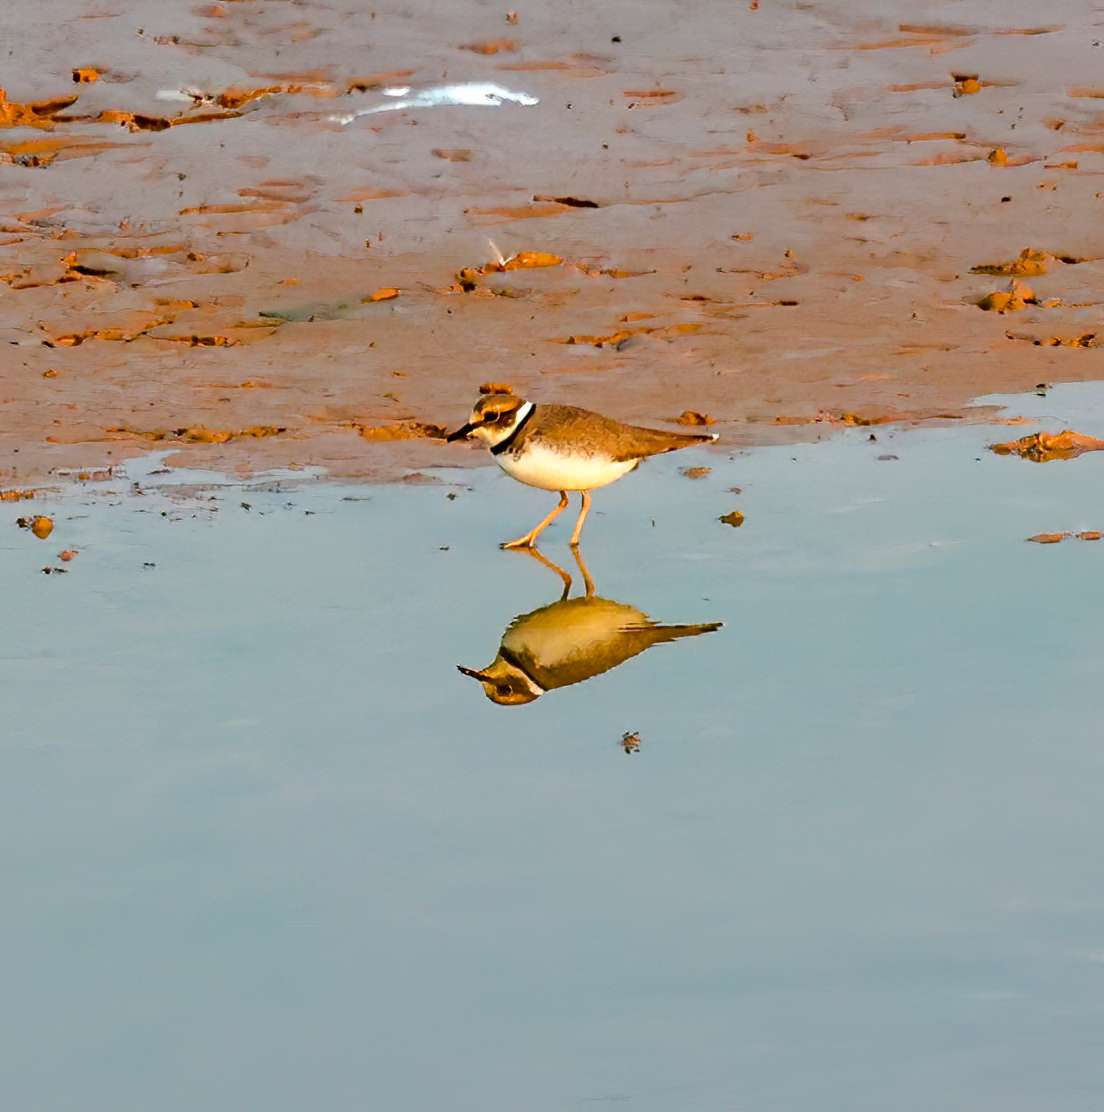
(540, 466)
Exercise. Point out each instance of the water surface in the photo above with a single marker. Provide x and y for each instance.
(267, 848)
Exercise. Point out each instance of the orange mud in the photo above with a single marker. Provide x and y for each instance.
(805, 206)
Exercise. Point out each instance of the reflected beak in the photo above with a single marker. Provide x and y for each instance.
(461, 433)
(473, 673)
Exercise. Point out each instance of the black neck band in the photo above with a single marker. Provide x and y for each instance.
(514, 662)
(503, 445)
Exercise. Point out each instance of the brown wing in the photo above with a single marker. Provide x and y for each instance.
(653, 442)
(604, 435)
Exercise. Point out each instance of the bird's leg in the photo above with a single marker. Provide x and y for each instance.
(542, 559)
(530, 538)
(582, 517)
(588, 583)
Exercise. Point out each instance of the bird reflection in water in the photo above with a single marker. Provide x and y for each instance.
(570, 641)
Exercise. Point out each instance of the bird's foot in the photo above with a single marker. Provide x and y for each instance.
(521, 542)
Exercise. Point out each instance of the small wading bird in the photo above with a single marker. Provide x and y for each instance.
(561, 447)
(570, 641)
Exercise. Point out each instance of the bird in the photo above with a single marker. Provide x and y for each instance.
(570, 641)
(563, 448)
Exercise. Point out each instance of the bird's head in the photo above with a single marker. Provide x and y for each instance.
(494, 417)
(504, 683)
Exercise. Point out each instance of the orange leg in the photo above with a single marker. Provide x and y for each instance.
(588, 583)
(582, 517)
(542, 559)
(530, 538)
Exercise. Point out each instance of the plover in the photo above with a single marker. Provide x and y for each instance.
(562, 447)
(570, 641)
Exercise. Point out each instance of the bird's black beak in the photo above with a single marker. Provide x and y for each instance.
(461, 433)
(473, 673)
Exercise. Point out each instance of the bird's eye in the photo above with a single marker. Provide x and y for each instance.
(490, 418)
(503, 689)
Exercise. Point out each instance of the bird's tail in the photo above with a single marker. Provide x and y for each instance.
(676, 631)
(685, 439)
(661, 634)
(654, 442)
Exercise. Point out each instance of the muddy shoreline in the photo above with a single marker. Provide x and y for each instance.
(770, 214)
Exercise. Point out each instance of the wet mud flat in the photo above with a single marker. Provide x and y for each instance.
(259, 232)
(268, 846)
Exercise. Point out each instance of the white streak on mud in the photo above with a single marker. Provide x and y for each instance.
(472, 94)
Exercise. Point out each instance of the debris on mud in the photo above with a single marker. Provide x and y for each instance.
(630, 741)
(848, 420)
(492, 46)
(525, 260)
(467, 278)
(965, 84)
(1012, 300)
(198, 434)
(1056, 538)
(38, 114)
(693, 417)
(568, 202)
(622, 335)
(1028, 264)
(401, 430)
(733, 518)
(1082, 340)
(41, 526)
(613, 339)
(1042, 447)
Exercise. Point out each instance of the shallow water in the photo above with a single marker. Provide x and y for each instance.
(267, 847)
